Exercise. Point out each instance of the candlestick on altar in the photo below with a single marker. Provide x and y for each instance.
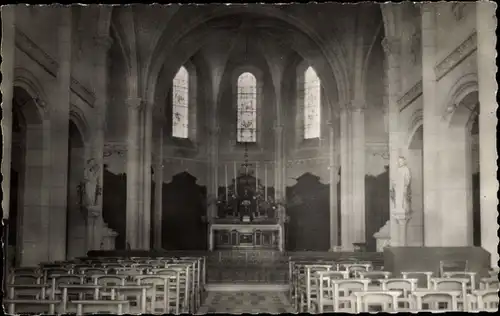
(225, 180)
(235, 180)
(256, 177)
(265, 181)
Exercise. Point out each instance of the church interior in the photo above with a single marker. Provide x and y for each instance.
(249, 158)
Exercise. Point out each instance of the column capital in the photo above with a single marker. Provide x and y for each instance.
(402, 218)
(357, 106)
(103, 42)
(391, 46)
(353, 105)
(134, 103)
(279, 127)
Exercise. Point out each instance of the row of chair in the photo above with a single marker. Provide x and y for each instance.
(352, 286)
(133, 285)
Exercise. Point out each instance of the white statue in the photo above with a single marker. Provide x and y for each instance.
(400, 191)
(92, 188)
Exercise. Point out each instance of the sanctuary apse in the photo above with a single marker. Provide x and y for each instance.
(229, 129)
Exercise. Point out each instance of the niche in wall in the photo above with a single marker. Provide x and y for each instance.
(115, 204)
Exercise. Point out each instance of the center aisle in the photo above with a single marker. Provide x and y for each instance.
(246, 302)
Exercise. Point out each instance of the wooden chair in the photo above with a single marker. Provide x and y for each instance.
(344, 300)
(325, 296)
(374, 276)
(453, 266)
(164, 295)
(483, 301)
(57, 279)
(471, 276)
(407, 286)
(418, 274)
(388, 300)
(433, 299)
(355, 268)
(489, 283)
(26, 278)
(92, 270)
(452, 284)
(311, 284)
(184, 281)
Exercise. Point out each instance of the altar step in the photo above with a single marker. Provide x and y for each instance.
(245, 287)
(245, 274)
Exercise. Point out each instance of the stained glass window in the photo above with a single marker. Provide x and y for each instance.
(180, 104)
(247, 108)
(312, 104)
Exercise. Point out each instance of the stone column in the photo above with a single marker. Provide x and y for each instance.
(392, 49)
(346, 211)
(431, 140)
(7, 88)
(59, 123)
(278, 162)
(146, 210)
(333, 170)
(358, 225)
(213, 174)
(158, 193)
(486, 53)
(134, 105)
(103, 44)
(140, 177)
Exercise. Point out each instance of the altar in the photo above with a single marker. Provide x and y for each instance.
(245, 236)
(247, 216)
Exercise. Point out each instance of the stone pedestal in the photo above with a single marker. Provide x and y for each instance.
(108, 238)
(486, 23)
(383, 237)
(402, 222)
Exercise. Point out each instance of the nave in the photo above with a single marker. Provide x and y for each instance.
(179, 283)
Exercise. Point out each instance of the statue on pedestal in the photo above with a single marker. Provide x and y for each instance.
(92, 187)
(400, 188)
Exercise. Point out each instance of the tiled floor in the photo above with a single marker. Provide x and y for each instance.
(246, 302)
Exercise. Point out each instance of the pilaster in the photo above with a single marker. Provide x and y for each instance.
(486, 25)
(278, 162)
(102, 46)
(213, 175)
(158, 193)
(346, 209)
(146, 211)
(59, 123)
(392, 49)
(7, 88)
(333, 172)
(433, 219)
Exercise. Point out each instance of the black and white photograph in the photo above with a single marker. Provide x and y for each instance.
(232, 158)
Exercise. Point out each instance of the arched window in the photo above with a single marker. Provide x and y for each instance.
(180, 104)
(247, 108)
(312, 104)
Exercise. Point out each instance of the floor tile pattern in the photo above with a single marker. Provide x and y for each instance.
(246, 302)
